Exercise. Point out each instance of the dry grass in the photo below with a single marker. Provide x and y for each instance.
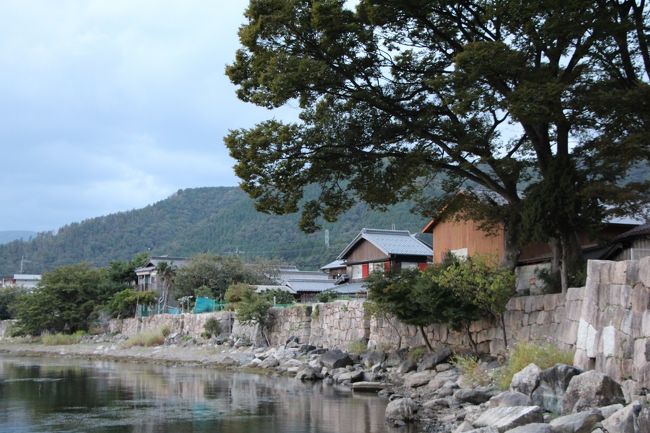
(61, 339)
(146, 339)
(471, 369)
(544, 356)
(357, 347)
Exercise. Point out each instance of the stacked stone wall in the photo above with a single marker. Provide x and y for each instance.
(338, 324)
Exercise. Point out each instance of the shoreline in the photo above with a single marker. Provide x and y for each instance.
(195, 356)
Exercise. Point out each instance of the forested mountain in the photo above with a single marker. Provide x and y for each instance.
(12, 235)
(219, 220)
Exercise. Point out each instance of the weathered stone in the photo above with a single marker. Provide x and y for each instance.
(553, 383)
(443, 367)
(367, 386)
(507, 418)
(436, 403)
(489, 429)
(474, 396)
(591, 389)
(430, 360)
(351, 376)
(396, 357)
(535, 427)
(270, 362)
(400, 411)
(581, 422)
(407, 366)
(308, 374)
(335, 359)
(371, 358)
(607, 411)
(414, 380)
(443, 377)
(526, 380)
(463, 427)
(509, 398)
(623, 420)
(644, 420)
(307, 348)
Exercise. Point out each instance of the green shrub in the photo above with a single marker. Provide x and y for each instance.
(147, 338)
(327, 296)
(279, 296)
(237, 292)
(544, 356)
(470, 367)
(416, 353)
(211, 328)
(61, 339)
(357, 347)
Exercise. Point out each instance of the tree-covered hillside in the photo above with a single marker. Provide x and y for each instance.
(220, 220)
(12, 235)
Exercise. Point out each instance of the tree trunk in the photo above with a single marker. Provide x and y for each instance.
(572, 259)
(512, 250)
(425, 338)
(399, 336)
(268, 343)
(503, 329)
(471, 340)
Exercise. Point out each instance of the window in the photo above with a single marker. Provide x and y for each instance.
(374, 267)
(356, 273)
(459, 253)
(409, 265)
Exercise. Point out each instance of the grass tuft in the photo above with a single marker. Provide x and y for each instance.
(146, 339)
(357, 347)
(61, 339)
(544, 356)
(416, 353)
(470, 367)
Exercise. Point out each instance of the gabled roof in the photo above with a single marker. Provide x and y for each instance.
(333, 265)
(642, 230)
(179, 262)
(310, 285)
(390, 242)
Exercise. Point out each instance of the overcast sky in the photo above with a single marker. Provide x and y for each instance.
(112, 105)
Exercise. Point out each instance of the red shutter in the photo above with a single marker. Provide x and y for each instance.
(422, 266)
(364, 270)
(387, 266)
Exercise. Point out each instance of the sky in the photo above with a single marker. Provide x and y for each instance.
(110, 105)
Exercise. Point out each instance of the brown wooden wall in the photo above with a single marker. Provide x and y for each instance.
(364, 251)
(454, 235)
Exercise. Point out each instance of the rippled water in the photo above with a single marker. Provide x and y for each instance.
(62, 395)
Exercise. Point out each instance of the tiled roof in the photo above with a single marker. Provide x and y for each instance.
(641, 230)
(334, 265)
(350, 288)
(390, 242)
(307, 285)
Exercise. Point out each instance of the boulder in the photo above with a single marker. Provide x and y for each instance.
(526, 380)
(366, 386)
(464, 426)
(372, 358)
(436, 403)
(623, 420)
(443, 367)
(591, 389)
(552, 386)
(509, 398)
(352, 376)
(308, 374)
(306, 348)
(400, 411)
(396, 357)
(581, 422)
(483, 430)
(270, 362)
(407, 366)
(608, 411)
(644, 420)
(507, 418)
(474, 396)
(430, 360)
(442, 378)
(414, 380)
(335, 359)
(535, 427)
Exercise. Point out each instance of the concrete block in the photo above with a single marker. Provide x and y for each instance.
(644, 271)
(592, 341)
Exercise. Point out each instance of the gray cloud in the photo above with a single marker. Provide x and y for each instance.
(111, 105)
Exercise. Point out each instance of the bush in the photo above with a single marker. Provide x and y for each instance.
(357, 347)
(211, 328)
(237, 292)
(253, 309)
(8, 297)
(147, 338)
(61, 339)
(327, 296)
(470, 367)
(123, 303)
(416, 353)
(279, 296)
(544, 356)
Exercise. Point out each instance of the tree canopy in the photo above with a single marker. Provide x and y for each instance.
(486, 95)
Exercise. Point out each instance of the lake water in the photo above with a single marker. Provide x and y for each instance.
(63, 395)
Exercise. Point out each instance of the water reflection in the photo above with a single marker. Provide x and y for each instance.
(60, 395)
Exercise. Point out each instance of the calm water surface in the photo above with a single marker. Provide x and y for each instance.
(63, 395)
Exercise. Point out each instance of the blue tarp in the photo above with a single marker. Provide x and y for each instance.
(206, 305)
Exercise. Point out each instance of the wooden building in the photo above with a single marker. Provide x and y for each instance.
(383, 250)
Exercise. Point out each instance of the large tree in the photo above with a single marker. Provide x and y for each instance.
(483, 95)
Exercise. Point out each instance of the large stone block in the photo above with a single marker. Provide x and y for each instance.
(553, 383)
(507, 418)
(591, 389)
(581, 422)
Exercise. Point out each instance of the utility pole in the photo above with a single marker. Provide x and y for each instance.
(22, 263)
